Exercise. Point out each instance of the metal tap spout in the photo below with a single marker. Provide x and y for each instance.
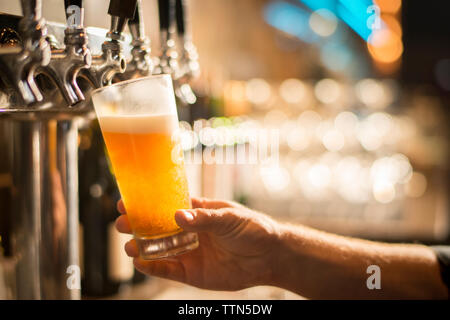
(141, 62)
(17, 64)
(65, 64)
(188, 66)
(188, 63)
(111, 61)
(167, 62)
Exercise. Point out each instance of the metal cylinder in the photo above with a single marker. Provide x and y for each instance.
(44, 215)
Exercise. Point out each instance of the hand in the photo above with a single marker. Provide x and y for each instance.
(238, 247)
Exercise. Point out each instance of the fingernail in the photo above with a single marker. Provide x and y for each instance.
(188, 216)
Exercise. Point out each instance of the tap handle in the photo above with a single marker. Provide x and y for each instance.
(32, 9)
(33, 31)
(166, 14)
(136, 25)
(32, 26)
(180, 11)
(74, 13)
(122, 8)
(120, 11)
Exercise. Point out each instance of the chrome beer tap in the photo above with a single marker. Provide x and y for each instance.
(65, 64)
(111, 61)
(188, 62)
(18, 64)
(40, 132)
(167, 62)
(141, 63)
(188, 66)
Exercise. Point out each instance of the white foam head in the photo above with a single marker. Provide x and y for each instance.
(158, 123)
(144, 96)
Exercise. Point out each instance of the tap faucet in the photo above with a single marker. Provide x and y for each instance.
(188, 66)
(65, 64)
(188, 62)
(18, 64)
(141, 62)
(167, 62)
(111, 61)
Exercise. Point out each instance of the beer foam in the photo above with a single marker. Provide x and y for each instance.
(158, 123)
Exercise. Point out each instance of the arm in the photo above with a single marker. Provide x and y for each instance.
(240, 248)
(328, 266)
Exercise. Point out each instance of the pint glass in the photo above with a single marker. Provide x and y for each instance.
(139, 121)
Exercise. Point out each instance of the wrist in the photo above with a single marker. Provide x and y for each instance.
(284, 258)
(297, 262)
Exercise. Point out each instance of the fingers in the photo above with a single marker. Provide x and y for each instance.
(169, 269)
(218, 221)
(123, 224)
(121, 207)
(131, 249)
(206, 203)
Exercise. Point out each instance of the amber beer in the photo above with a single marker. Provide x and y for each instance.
(147, 161)
(153, 186)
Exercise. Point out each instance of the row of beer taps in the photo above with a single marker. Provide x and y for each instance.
(39, 54)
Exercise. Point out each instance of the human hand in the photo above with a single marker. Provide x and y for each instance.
(238, 247)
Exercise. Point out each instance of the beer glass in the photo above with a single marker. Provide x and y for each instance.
(139, 122)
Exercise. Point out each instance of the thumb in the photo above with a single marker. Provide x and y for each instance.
(217, 221)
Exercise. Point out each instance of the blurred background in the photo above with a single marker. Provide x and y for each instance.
(358, 92)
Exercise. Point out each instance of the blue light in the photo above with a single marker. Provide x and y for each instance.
(358, 25)
(290, 19)
(354, 13)
(320, 4)
(358, 8)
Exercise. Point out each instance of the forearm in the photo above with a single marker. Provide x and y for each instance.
(319, 265)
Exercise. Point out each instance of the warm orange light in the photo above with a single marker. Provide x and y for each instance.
(235, 98)
(389, 6)
(392, 23)
(235, 91)
(385, 46)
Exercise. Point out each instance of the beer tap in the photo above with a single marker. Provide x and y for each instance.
(141, 62)
(65, 64)
(111, 61)
(18, 64)
(167, 61)
(188, 66)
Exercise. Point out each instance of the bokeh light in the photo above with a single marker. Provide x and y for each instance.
(385, 45)
(319, 176)
(373, 93)
(333, 140)
(309, 119)
(416, 186)
(258, 91)
(298, 139)
(346, 122)
(383, 191)
(275, 178)
(389, 6)
(323, 22)
(327, 91)
(292, 91)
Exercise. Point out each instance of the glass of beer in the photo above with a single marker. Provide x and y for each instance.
(139, 123)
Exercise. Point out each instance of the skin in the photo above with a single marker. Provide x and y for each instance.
(241, 248)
